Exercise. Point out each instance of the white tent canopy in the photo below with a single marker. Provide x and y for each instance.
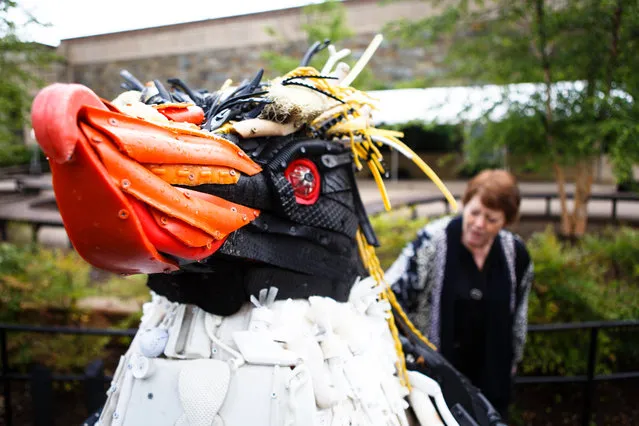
(454, 104)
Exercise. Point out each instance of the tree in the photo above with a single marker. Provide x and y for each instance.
(21, 63)
(321, 21)
(579, 55)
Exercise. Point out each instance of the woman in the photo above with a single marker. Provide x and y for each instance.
(464, 282)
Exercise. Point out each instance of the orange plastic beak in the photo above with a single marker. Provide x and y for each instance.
(113, 177)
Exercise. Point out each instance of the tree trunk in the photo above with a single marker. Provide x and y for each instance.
(585, 169)
(565, 226)
(583, 189)
(614, 45)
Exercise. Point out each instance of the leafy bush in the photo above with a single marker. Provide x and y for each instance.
(430, 137)
(14, 154)
(594, 280)
(34, 279)
(394, 230)
(42, 286)
(617, 252)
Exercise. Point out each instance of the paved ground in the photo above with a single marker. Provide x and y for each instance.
(40, 207)
(404, 191)
(31, 205)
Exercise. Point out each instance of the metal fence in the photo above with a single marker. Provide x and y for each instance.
(94, 379)
(589, 379)
(36, 222)
(614, 198)
(41, 379)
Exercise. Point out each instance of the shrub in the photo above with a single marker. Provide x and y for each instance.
(14, 154)
(42, 286)
(594, 280)
(394, 230)
(572, 284)
(430, 137)
(617, 252)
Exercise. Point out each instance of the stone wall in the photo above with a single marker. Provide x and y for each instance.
(391, 65)
(206, 53)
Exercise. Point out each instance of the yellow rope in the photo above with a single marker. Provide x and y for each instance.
(424, 168)
(326, 85)
(380, 184)
(395, 304)
(224, 129)
(371, 262)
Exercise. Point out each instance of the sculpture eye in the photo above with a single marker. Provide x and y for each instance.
(305, 179)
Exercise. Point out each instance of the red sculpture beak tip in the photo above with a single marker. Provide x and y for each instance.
(54, 115)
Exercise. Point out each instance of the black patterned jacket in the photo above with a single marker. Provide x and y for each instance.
(416, 277)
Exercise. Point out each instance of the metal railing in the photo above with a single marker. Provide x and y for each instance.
(412, 204)
(614, 198)
(94, 378)
(41, 378)
(590, 378)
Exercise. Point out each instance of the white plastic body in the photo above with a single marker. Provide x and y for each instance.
(311, 362)
(425, 386)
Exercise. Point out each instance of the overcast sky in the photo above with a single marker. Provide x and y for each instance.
(77, 18)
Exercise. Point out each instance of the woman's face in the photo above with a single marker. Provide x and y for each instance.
(480, 224)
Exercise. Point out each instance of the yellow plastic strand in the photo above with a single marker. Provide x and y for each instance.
(366, 150)
(378, 165)
(369, 258)
(372, 147)
(227, 83)
(358, 163)
(380, 185)
(386, 132)
(393, 135)
(224, 129)
(395, 304)
(431, 174)
(371, 262)
(320, 83)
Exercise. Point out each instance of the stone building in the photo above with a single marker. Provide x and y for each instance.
(206, 53)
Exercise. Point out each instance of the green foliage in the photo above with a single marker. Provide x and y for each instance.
(280, 64)
(326, 21)
(505, 41)
(482, 32)
(14, 154)
(42, 286)
(616, 252)
(394, 230)
(321, 21)
(625, 152)
(35, 279)
(430, 137)
(594, 280)
(20, 65)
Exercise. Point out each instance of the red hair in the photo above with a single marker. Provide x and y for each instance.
(497, 190)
